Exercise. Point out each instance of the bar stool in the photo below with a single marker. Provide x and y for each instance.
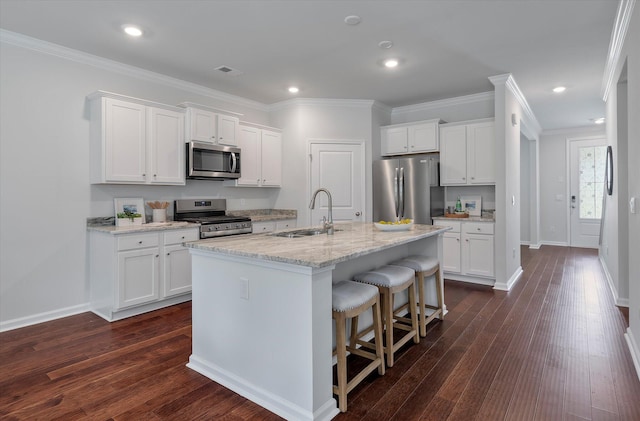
(391, 280)
(425, 266)
(349, 300)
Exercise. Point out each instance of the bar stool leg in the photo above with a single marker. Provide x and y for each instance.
(341, 351)
(387, 309)
(414, 313)
(423, 323)
(377, 329)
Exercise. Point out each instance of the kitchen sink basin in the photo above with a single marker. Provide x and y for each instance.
(301, 233)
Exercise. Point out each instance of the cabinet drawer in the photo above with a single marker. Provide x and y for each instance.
(180, 236)
(455, 225)
(137, 241)
(477, 228)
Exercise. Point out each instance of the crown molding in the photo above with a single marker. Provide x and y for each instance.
(618, 35)
(59, 51)
(327, 102)
(529, 120)
(442, 103)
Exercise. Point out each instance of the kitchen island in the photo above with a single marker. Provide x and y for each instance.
(262, 322)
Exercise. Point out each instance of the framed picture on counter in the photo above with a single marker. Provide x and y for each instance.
(472, 204)
(129, 211)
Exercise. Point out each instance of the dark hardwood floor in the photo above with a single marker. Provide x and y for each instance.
(551, 349)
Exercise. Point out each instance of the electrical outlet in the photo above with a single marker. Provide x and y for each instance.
(513, 253)
(244, 288)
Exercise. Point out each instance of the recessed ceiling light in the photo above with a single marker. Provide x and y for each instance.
(132, 30)
(385, 45)
(559, 89)
(599, 120)
(391, 63)
(352, 20)
(294, 89)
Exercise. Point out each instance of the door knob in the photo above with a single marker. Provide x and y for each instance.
(357, 213)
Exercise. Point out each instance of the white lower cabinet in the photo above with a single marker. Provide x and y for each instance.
(270, 226)
(468, 248)
(135, 273)
(286, 224)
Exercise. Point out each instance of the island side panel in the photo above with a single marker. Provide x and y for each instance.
(263, 329)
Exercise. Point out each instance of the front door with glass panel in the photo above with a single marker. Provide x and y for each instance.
(587, 167)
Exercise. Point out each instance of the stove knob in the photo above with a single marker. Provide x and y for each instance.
(217, 228)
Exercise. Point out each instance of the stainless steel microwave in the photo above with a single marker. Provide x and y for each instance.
(212, 162)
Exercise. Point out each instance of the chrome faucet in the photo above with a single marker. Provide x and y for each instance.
(326, 224)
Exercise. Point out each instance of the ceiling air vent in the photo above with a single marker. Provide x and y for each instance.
(229, 71)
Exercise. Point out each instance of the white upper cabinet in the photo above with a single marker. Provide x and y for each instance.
(135, 141)
(203, 125)
(401, 139)
(167, 163)
(271, 151)
(260, 158)
(467, 153)
(208, 126)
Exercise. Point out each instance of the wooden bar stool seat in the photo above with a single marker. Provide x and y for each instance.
(349, 300)
(391, 280)
(425, 266)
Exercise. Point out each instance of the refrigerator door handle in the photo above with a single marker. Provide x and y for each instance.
(401, 195)
(395, 192)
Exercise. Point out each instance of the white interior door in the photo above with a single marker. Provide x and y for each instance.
(339, 168)
(586, 174)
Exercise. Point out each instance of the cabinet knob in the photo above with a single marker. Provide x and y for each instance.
(157, 255)
(458, 240)
(183, 237)
(144, 175)
(405, 147)
(478, 228)
(473, 178)
(213, 137)
(464, 178)
(467, 240)
(413, 146)
(139, 242)
(264, 180)
(168, 254)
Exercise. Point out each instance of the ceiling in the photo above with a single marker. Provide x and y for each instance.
(447, 48)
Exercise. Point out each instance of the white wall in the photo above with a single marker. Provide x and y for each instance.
(623, 134)
(554, 225)
(469, 107)
(305, 120)
(44, 175)
(525, 191)
(507, 226)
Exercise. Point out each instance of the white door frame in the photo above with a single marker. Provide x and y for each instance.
(356, 142)
(568, 177)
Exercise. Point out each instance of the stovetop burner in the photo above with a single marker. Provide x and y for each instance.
(212, 217)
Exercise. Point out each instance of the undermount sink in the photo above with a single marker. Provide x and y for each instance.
(301, 233)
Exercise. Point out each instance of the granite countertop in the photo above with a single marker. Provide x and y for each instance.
(469, 219)
(351, 240)
(154, 226)
(263, 215)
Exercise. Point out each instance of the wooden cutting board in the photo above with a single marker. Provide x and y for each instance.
(456, 215)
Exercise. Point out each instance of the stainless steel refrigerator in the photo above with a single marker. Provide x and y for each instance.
(407, 188)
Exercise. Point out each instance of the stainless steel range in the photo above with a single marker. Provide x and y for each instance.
(212, 217)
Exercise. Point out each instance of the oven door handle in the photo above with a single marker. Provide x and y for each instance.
(234, 162)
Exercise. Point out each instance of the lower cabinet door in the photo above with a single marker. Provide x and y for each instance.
(138, 272)
(451, 252)
(477, 255)
(177, 270)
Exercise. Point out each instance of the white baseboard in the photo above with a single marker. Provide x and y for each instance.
(535, 246)
(634, 349)
(511, 282)
(469, 279)
(524, 243)
(619, 301)
(43, 317)
(554, 243)
(262, 397)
